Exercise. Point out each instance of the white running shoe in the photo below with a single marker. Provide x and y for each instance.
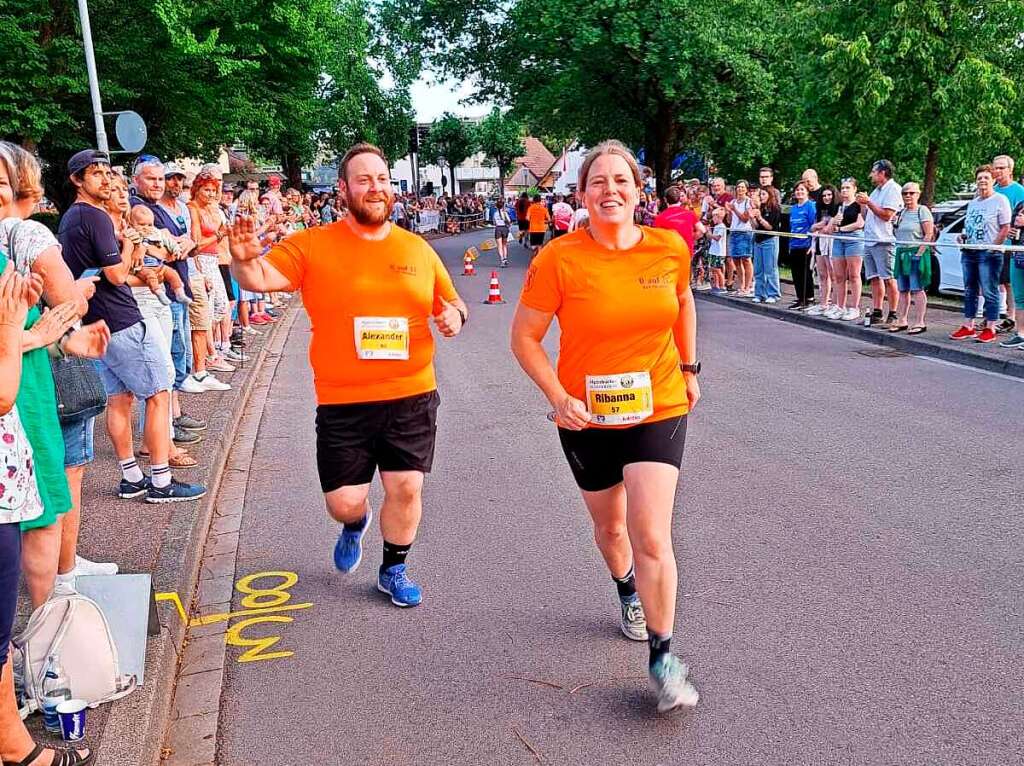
(85, 568)
(851, 314)
(250, 330)
(755, 299)
(771, 300)
(833, 312)
(192, 386)
(210, 383)
(815, 311)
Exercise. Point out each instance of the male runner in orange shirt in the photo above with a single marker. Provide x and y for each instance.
(368, 287)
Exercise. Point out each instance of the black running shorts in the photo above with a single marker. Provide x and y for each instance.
(598, 455)
(354, 440)
(229, 288)
(536, 238)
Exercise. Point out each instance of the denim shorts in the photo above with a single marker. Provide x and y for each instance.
(842, 248)
(78, 441)
(741, 244)
(134, 363)
(911, 283)
(879, 259)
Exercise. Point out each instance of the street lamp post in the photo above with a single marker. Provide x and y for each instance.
(94, 84)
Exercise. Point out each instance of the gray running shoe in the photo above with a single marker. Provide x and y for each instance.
(668, 676)
(634, 623)
(190, 423)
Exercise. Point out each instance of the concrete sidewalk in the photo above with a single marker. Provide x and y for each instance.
(934, 343)
(165, 541)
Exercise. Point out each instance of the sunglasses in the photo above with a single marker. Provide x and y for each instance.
(909, 193)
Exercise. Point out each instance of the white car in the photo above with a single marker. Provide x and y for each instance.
(950, 277)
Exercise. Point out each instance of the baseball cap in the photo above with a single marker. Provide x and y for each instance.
(83, 159)
(171, 169)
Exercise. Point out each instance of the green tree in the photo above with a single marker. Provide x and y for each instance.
(500, 138)
(668, 75)
(934, 85)
(449, 142)
(287, 80)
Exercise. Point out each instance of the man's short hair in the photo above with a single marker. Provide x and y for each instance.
(360, 148)
(145, 161)
(983, 169)
(1005, 158)
(673, 195)
(884, 166)
(766, 170)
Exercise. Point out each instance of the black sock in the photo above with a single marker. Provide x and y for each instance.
(658, 644)
(394, 554)
(356, 526)
(626, 585)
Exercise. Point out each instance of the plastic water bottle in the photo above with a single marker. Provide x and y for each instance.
(56, 689)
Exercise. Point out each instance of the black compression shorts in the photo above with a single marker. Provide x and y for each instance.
(598, 455)
(354, 440)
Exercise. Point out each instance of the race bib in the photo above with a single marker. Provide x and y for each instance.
(382, 337)
(617, 400)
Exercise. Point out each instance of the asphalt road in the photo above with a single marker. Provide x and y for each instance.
(849, 534)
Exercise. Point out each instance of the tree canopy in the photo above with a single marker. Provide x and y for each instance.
(450, 140)
(287, 80)
(500, 138)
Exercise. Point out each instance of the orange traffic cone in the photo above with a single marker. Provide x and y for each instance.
(494, 293)
(468, 270)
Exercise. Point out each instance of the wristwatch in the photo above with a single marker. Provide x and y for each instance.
(694, 368)
(462, 316)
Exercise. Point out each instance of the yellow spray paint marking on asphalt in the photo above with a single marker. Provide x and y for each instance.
(260, 606)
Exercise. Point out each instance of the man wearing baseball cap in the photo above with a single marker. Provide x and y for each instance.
(133, 366)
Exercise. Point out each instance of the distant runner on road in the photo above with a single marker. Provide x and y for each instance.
(627, 377)
(369, 288)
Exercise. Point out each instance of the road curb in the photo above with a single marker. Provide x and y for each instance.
(910, 345)
(125, 740)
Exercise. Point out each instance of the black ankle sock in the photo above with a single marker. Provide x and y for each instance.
(394, 554)
(356, 526)
(659, 645)
(626, 586)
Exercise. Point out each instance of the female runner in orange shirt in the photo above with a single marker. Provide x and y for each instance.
(626, 380)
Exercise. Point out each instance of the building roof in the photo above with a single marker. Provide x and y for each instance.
(538, 160)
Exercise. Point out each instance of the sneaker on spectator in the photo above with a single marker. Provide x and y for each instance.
(251, 331)
(175, 492)
(851, 314)
(129, 489)
(833, 312)
(703, 287)
(963, 333)
(771, 300)
(986, 336)
(191, 386)
(85, 568)
(234, 356)
(210, 383)
(1017, 341)
(1005, 325)
(185, 437)
(755, 299)
(816, 310)
(258, 319)
(219, 365)
(892, 319)
(189, 423)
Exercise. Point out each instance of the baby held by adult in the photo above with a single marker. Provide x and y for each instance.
(159, 246)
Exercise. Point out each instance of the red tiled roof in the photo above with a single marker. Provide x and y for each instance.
(538, 160)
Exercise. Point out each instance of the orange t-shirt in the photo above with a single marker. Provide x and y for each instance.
(538, 217)
(347, 281)
(616, 311)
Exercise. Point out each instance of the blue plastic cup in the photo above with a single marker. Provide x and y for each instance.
(72, 719)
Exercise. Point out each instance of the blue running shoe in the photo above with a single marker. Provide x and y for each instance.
(348, 551)
(175, 492)
(129, 489)
(668, 676)
(403, 591)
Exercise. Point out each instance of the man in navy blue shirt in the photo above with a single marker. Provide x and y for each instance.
(133, 366)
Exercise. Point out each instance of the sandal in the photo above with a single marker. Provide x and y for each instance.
(917, 329)
(897, 327)
(61, 757)
(182, 460)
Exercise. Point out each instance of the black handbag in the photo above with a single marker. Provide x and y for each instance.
(79, 388)
(76, 381)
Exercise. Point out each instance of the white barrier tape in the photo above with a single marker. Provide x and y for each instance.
(906, 243)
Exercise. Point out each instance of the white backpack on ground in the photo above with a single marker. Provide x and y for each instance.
(72, 626)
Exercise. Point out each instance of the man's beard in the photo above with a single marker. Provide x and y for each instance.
(371, 216)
